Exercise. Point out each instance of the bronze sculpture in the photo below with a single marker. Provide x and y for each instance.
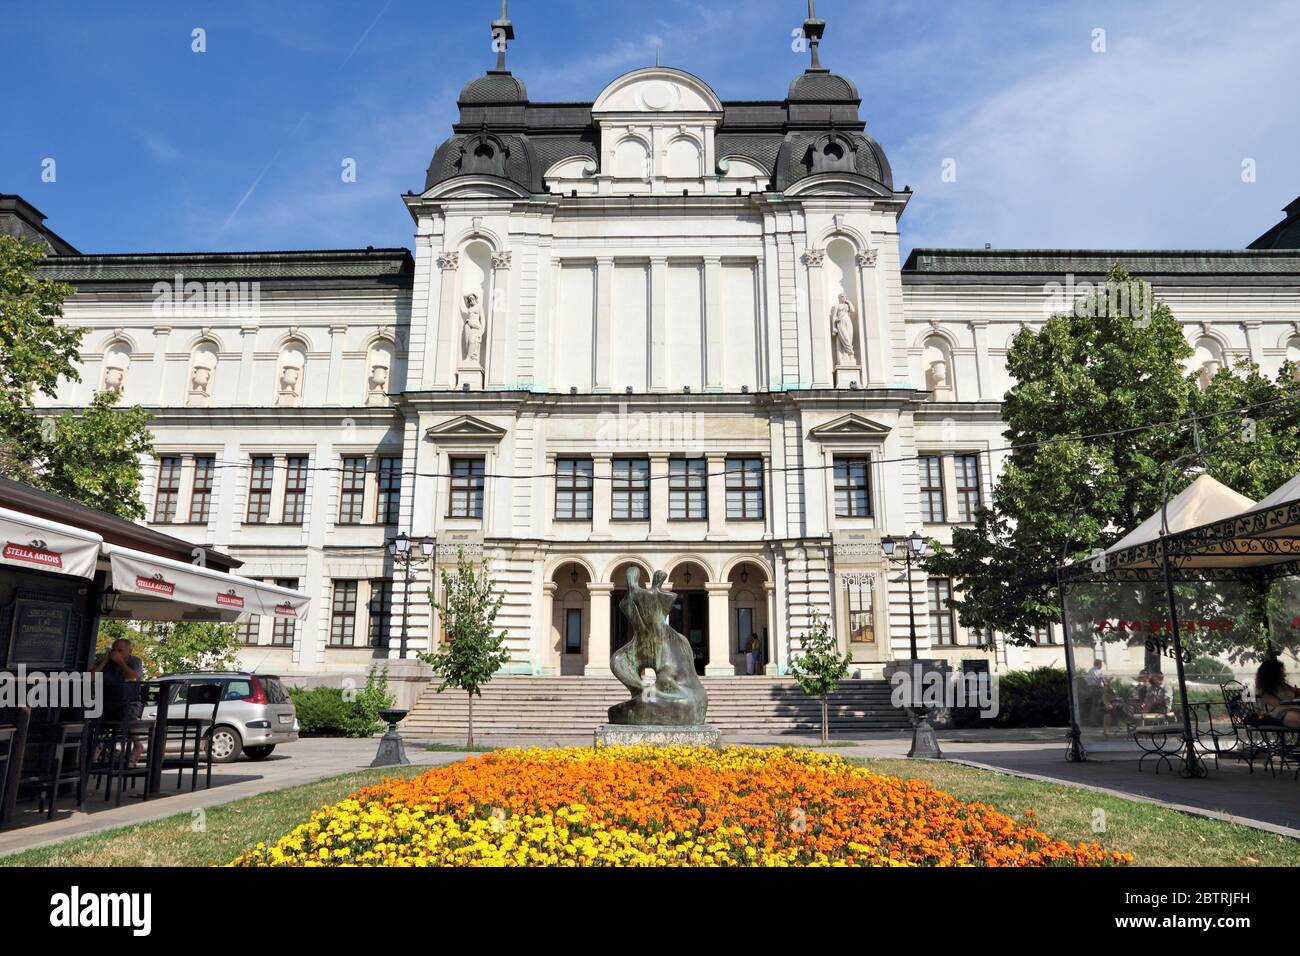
(675, 696)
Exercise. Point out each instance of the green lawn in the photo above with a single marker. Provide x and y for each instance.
(1154, 835)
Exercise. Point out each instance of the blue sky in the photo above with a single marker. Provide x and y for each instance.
(158, 148)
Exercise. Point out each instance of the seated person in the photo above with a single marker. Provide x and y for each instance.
(1157, 698)
(1280, 699)
(1124, 709)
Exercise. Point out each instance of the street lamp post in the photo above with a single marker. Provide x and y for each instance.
(924, 741)
(401, 549)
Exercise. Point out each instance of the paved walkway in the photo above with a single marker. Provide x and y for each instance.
(1232, 793)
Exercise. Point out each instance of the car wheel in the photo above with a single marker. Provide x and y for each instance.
(259, 753)
(224, 743)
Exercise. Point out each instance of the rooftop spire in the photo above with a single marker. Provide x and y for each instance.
(503, 31)
(813, 31)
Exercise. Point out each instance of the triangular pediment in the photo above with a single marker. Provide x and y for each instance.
(848, 427)
(463, 427)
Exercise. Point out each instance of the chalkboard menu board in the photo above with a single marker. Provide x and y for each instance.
(41, 632)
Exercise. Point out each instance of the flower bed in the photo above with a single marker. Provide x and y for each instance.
(633, 806)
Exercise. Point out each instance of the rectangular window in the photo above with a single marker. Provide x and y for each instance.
(1043, 635)
(388, 508)
(573, 483)
(295, 489)
(931, 471)
(744, 489)
(573, 630)
(688, 488)
(862, 611)
(852, 488)
(467, 479)
(631, 489)
(282, 633)
(205, 469)
(942, 629)
(967, 472)
(259, 489)
(381, 611)
(169, 487)
(343, 614)
(352, 490)
(246, 629)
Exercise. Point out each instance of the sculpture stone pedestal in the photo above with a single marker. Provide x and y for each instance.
(848, 376)
(664, 735)
(471, 375)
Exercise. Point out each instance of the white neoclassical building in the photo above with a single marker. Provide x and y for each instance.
(656, 330)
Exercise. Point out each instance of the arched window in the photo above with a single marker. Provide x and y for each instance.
(1293, 356)
(631, 159)
(684, 158)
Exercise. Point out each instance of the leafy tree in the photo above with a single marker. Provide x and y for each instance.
(92, 457)
(173, 647)
(819, 668)
(474, 650)
(1107, 373)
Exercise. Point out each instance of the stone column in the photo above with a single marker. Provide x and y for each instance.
(713, 334)
(497, 358)
(818, 319)
(717, 497)
(720, 663)
(659, 323)
(603, 372)
(983, 366)
(248, 347)
(160, 335)
(549, 655)
(1251, 329)
(771, 666)
(334, 376)
(602, 495)
(598, 640)
(447, 323)
(658, 496)
(870, 320)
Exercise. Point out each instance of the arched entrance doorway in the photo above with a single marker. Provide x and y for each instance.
(689, 615)
(748, 606)
(570, 624)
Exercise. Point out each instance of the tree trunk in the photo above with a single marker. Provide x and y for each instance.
(470, 743)
(825, 722)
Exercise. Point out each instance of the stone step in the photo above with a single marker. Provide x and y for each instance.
(517, 704)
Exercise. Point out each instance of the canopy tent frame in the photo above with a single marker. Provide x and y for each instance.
(1257, 546)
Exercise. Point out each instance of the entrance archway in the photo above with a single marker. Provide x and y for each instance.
(690, 615)
(570, 624)
(748, 605)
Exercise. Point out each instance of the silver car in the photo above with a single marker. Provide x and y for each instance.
(254, 713)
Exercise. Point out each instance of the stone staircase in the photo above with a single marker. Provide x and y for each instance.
(575, 706)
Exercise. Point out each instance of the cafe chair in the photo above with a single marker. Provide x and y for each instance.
(58, 766)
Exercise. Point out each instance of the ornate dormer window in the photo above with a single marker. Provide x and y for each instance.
(483, 154)
(832, 152)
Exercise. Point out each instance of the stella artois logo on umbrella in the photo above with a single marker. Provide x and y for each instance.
(34, 552)
(154, 585)
(230, 599)
(286, 610)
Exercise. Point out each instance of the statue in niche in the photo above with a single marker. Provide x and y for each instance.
(657, 665)
(114, 379)
(200, 386)
(290, 385)
(377, 385)
(936, 376)
(473, 331)
(842, 314)
(1209, 369)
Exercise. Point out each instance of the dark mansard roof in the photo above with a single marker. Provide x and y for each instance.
(784, 137)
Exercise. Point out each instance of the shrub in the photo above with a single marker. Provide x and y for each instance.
(327, 712)
(1035, 698)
